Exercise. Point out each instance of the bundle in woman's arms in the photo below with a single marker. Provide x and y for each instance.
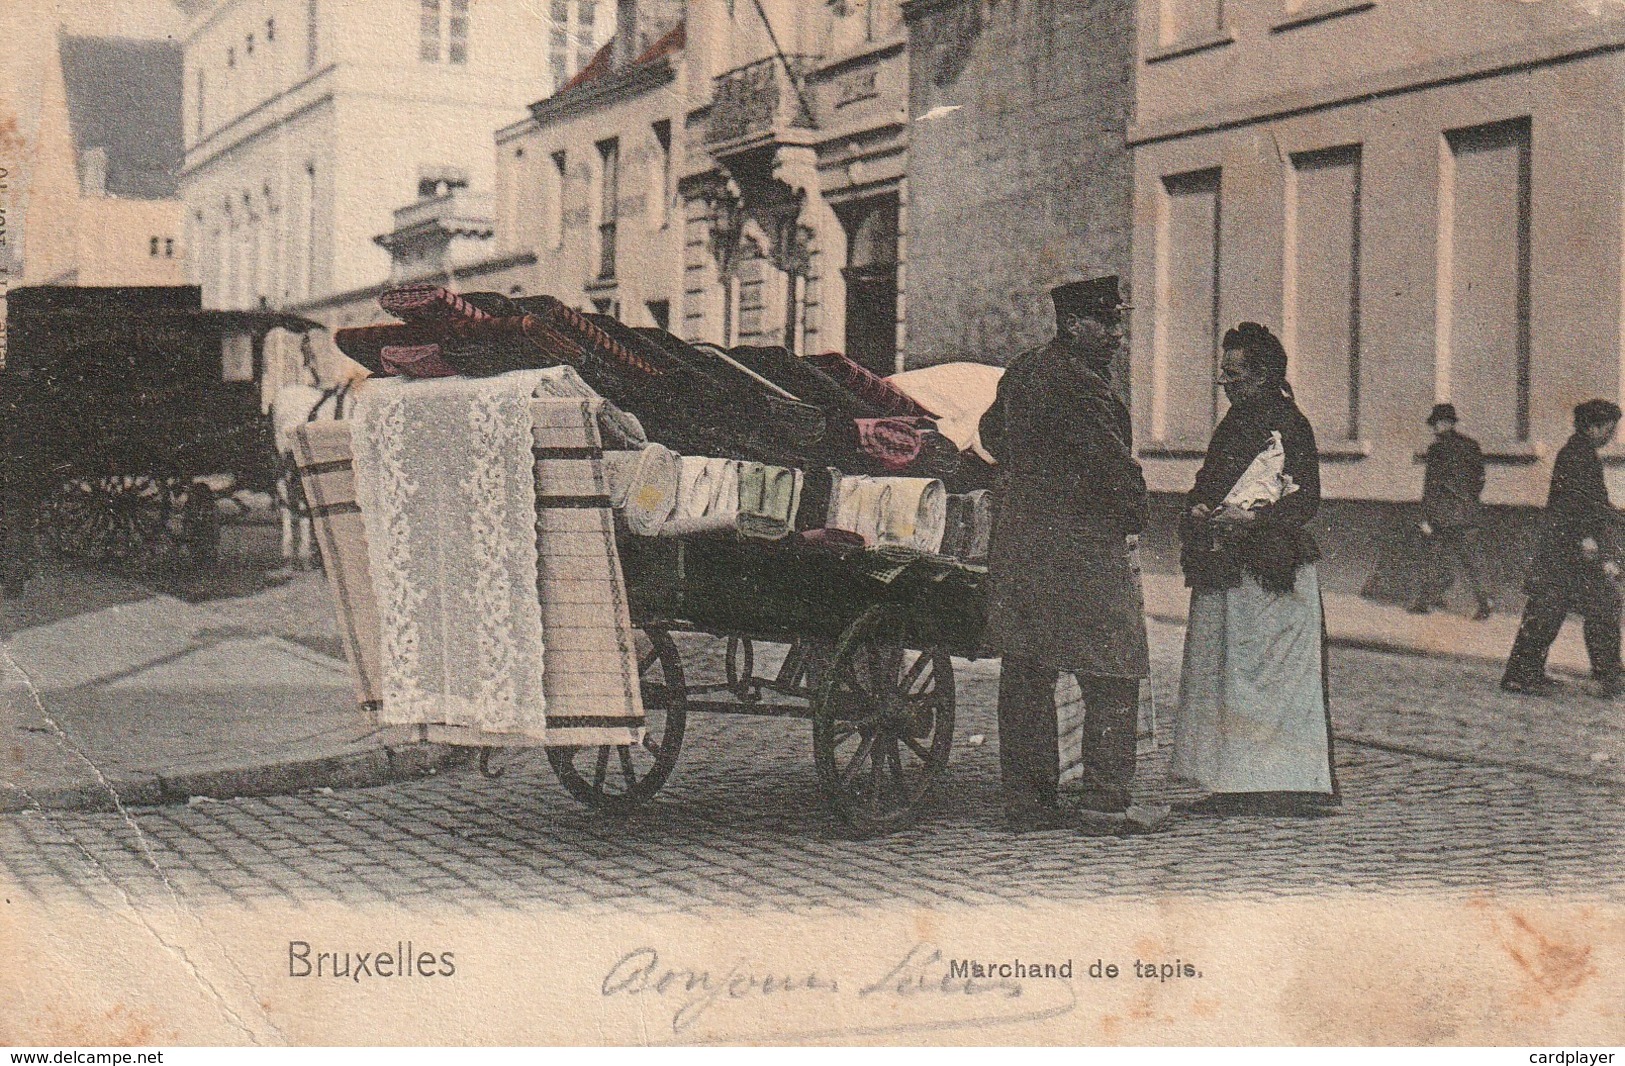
(1265, 480)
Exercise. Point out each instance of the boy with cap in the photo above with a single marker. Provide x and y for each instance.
(1575, 567)
(1450, 513)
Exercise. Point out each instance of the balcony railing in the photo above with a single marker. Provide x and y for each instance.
(761, 100)
(456, 207)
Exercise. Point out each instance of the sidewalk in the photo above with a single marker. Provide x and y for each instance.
(141, 698)
(1353, 621)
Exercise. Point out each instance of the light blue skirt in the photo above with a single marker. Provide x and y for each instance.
(1252, 710)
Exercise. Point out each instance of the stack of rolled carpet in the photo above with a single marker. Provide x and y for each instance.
(753, 440)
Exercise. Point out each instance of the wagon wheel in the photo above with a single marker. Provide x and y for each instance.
(109, 517)
(621, 778)
(883, 722)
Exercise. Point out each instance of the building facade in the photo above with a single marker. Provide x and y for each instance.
(309, 122)
(101, 204)
(1019, 173)
(1423, 200)
(732, 171)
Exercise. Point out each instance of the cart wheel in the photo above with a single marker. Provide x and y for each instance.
(883, 722)
(112, 517)
(622, 778)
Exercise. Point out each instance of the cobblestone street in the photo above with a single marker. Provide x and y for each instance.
(1432, 803)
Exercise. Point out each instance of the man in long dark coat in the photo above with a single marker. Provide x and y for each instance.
(1576, 564)
(1062, 593)
(1451, 512)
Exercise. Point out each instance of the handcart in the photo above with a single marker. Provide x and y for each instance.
(871, 635)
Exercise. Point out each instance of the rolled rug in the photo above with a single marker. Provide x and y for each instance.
(707, 496)
(869, 387)
(769, 497)
(899, 512)
(643, 487)
(366, 344)
(416, 361)
(428, 303)
(805, 380)
(894, 443)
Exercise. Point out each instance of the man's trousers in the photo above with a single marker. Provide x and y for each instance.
(1581, 589)
(1029, 752)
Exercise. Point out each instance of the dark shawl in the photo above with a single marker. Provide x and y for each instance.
(1278, 543)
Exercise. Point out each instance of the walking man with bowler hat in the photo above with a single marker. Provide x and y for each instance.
(1576, 564)
(1451, 512)
(1062, 595)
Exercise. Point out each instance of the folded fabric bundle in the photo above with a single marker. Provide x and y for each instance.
(939, 457)
(322, 452)
(707, 496)
(594, 692)
(969, 526)
(959, 393)
(416, 361)
(558, 322)
(836, 540)
(617, 428)
(366, 344)
(817, 495)
(769, 497)
(900, 512)
(894, 443)
(428, 303)
(445, 481)
(869, 387)
(643, 487)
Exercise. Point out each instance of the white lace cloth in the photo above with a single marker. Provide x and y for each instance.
(445, 481)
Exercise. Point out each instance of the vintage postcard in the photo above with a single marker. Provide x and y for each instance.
(656, 522)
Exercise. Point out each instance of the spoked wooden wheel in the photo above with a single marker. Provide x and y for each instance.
(622, 778)
(883, 723)
(112, 517)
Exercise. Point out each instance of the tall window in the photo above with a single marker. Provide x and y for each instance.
(555, 200)
(443, 31)
(1482, 332)
(661, 175)
(1321, 274)
(572, 39)
(609, 188)
(1184, 400)
(312, 38)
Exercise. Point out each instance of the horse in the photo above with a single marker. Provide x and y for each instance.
(294, 406)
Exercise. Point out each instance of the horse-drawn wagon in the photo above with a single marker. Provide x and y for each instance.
(122, 407)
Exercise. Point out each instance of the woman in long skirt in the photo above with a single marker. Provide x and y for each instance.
(1253, 728)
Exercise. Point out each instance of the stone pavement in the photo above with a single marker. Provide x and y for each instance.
(112, 693)
(740, 826)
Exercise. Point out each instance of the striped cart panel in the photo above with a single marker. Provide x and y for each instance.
(322, 452)
(591, 677)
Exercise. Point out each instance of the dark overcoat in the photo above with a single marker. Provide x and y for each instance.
(1577, 508)
(1454, 482)
(1062, 591)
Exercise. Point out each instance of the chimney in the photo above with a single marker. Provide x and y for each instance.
(93, 172)
(627, 47)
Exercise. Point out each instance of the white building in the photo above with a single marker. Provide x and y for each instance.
(309, 122)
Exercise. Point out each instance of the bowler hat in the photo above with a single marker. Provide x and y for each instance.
(1096, 298)
(1443, 412)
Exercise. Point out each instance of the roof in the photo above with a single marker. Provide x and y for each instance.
(124, 96)
(604, 61)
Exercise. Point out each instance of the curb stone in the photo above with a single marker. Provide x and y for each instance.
(366, 769)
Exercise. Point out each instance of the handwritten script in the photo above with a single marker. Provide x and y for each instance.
(695, 993)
